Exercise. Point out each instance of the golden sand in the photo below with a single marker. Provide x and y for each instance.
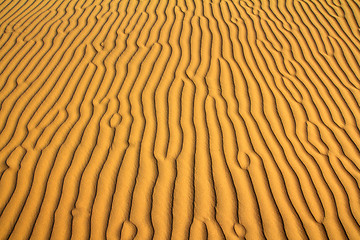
(125, 119)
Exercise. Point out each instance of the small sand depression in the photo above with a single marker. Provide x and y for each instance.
(186, 119)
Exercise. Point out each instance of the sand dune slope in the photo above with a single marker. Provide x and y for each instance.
(180, 119)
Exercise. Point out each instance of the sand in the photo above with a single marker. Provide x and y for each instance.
(180, 119)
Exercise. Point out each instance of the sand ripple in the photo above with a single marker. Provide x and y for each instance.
(180, 119)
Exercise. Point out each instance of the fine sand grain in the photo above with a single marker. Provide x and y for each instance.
(180, 119)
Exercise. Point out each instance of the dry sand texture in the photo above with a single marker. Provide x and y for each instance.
(125, 119)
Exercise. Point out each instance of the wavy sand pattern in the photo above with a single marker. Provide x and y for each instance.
(180, 119)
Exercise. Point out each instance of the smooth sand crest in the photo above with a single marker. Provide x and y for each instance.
(180, 119)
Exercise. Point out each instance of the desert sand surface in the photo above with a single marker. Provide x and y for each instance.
(125, 119)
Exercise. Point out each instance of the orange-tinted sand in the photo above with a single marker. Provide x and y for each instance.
(124, 119)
